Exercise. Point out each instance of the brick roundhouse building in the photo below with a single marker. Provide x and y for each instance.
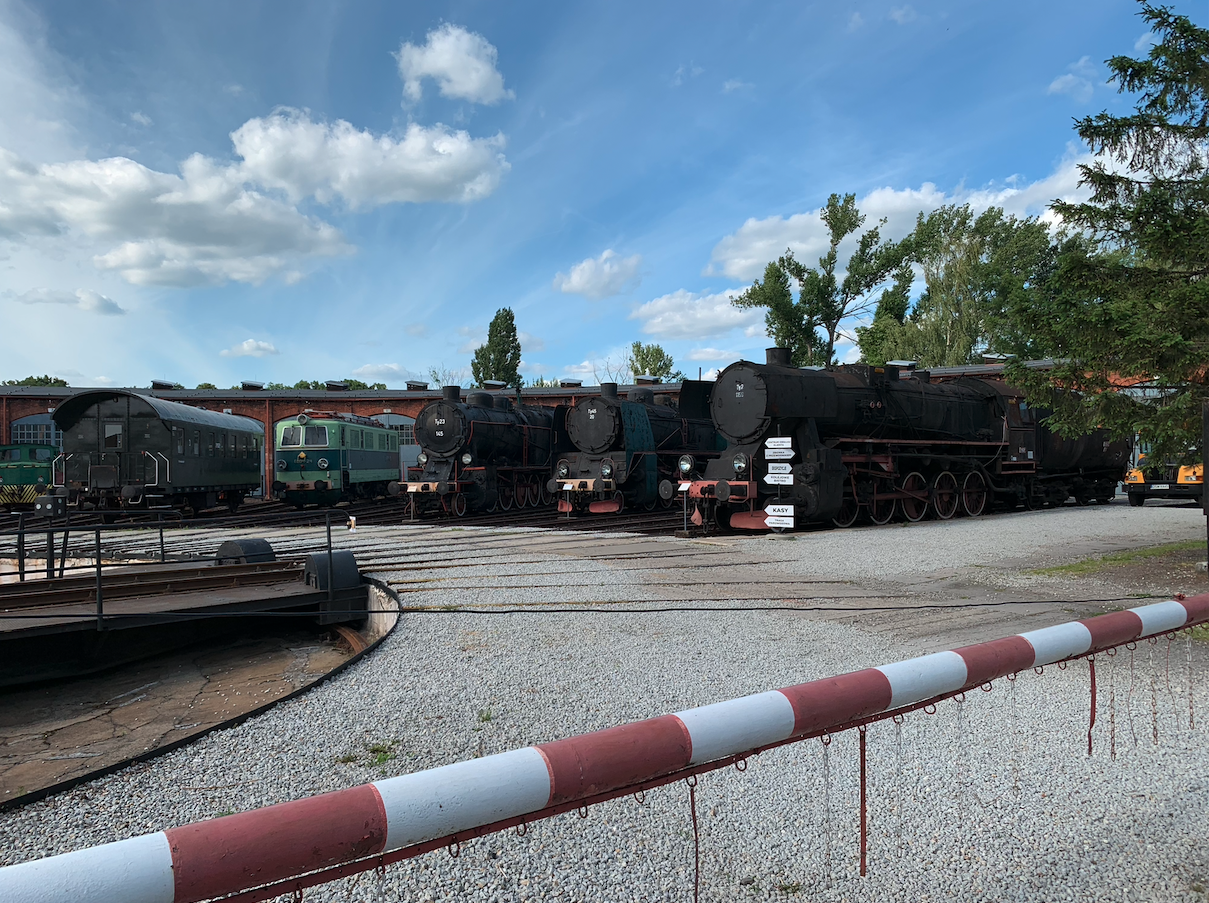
(26, 412)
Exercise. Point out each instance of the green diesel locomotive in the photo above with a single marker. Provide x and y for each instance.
(323, 457)
(24, 474)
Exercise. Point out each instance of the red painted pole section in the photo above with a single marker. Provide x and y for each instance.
(267, 852)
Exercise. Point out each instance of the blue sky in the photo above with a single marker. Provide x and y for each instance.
(277, 191)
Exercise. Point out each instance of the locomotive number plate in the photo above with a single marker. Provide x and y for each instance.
(779, 442)
(778, 468)
(778, 454)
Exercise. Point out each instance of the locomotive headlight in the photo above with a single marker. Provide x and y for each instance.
(606, 468)
(421, 459)
(466, 458)
(322, 462)
(740, 462)
(564, 469)
(685, 463)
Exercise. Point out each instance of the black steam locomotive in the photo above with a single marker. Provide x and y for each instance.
(124, 450)
(630, 452)
(483, 454)
(811, 446)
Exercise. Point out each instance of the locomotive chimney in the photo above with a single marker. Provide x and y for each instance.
(451, 393)
(778, 357)
(608, 390)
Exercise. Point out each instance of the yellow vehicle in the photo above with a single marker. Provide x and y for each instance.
(1164, 481)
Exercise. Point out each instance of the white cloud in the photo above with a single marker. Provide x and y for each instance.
(855, 21)
(140, 118)
(903, 14)
(37, 99)
(83, 299)
(462, 63)
(384, 373)
(530, 342)
(713, 354)
(289, 151)
(250, 348)
(688, 315)
(744, 253)
(1078, 82)
(1145, 42)
(682, 72)
(731, 85)
(416, 330)
(601, 277)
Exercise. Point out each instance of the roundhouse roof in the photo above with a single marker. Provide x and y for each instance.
(68, 414)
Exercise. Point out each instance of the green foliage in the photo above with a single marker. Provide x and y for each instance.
(977, 271)
(500, 356)
(206, 386)
(360, 384)
(317, 384)
(542, 383)
(36, 381)
(272, 386)
(652, 360)
(824, 302)
(1134, 303)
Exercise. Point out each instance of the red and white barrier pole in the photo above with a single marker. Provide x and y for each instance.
(271, 851)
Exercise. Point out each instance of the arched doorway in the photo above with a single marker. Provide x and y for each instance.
(36, 429)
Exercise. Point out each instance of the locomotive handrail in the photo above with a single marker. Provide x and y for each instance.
(53, 469)
(156, 462)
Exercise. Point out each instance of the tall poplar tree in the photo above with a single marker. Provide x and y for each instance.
(500, 356)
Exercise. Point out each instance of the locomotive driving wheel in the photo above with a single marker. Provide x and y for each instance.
(522, 493)
(915, 505)
(881, 510)
(505, 496)
(945, 497)
(457, 504)
(849, 509)
(974, 494)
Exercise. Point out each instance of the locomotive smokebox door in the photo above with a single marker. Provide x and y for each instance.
(50, 505)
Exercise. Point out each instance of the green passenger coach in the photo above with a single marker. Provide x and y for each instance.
(322, 458)
(24, 474)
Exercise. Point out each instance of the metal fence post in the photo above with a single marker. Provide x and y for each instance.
(328, 518)
(100, 600)
(66, 532)
(21, 547)
(161, 520)
(50, 553)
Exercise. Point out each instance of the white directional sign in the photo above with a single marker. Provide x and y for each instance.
(779, 468)
(779, 510)
(778, 521)
(779, 442)
(778, 454)
(779, 479)
(684, 487)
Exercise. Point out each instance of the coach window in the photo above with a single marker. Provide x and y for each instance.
(113, 435)
(196, 443)
(179, 435)
(210, 445)
(39, 454)
(291, 437)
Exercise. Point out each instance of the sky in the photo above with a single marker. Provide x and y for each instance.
(220, 191)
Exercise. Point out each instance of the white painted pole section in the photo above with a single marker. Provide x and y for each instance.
(737, 725)
(464, 795)
(138, 870)
(925, 677)
(1161, 617)
(1052, 644)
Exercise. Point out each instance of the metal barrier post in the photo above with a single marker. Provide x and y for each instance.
(100, 600)
(328, 517)
(63, 554)
(161, 520)
(684, 495)
(21, 548)
(50, 553)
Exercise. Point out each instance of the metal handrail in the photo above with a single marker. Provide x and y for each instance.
(156, 462)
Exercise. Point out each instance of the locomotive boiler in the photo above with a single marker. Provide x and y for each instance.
(629, 451)
(481, 454)
(813, 445)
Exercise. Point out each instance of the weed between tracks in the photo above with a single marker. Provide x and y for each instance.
(1131, 556)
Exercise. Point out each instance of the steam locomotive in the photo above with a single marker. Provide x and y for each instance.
(481, 454)
(813, 446)
(629, 452)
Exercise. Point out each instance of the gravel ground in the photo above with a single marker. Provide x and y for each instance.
(994, 798)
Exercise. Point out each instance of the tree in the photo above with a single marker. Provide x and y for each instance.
(823, 301)
(37, 381)
(206, 386)
(652, 360)
(542, 383)
(1134, 304)
(358, 384)
(441, 375)
(500, 356)
(975, 269)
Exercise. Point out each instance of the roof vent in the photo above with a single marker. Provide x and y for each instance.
(163, 385)
(335, 385)
(647, 380)
(494, 385)
(570, 383)
(414, 385)
(248, 386)
(902, 365)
